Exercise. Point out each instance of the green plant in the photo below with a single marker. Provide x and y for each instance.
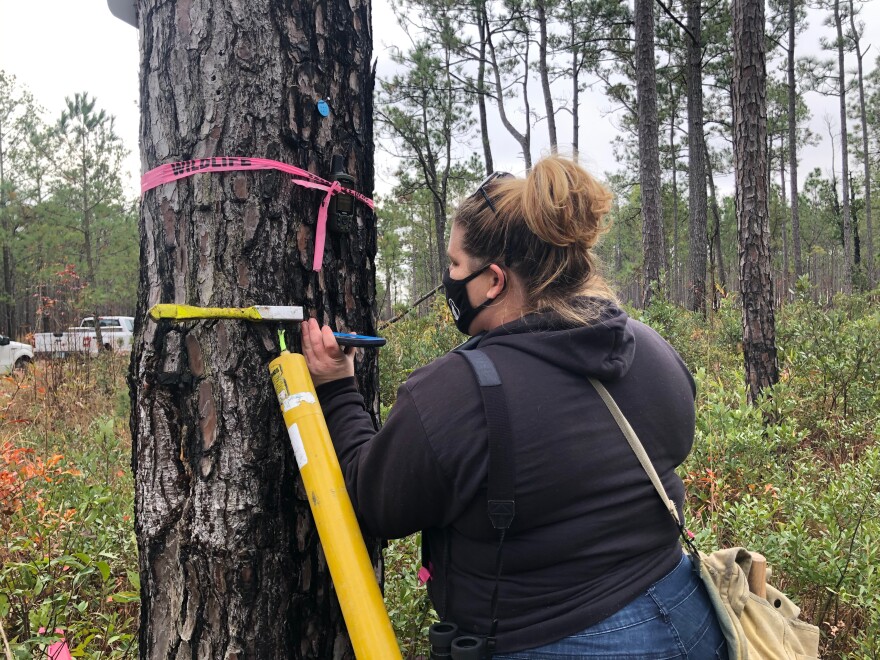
(406, 599)
(68, 552)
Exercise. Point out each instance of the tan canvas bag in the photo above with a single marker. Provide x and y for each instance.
(755, 628)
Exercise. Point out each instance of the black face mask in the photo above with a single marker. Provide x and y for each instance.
(458, 302)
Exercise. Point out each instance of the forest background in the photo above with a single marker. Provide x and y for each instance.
(796, 474)
(84, 229)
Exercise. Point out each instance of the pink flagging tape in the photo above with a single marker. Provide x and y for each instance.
(58, 650)
(170, 172)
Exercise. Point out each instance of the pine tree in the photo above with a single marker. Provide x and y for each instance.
(752, 211)
(649, 155)
(230, 563)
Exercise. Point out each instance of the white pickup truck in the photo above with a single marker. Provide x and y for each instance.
(14, 355)
(116, 335)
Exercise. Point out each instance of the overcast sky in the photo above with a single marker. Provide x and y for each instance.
(58, 47)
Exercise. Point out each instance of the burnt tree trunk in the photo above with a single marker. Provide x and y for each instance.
(230, 564)
(752, 209)
(697, 203)
(649, 149)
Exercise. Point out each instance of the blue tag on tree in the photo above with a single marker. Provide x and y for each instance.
(323, 108)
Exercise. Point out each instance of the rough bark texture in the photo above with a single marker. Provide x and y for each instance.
(752, 182)
(697, 203)
(230, 563)
(844, 153)
(649, 148)
(792, 144)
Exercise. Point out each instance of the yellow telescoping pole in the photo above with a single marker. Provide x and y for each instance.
(353, 576)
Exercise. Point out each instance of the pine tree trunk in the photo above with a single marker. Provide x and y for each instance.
(783, 216)
(866, 155)
(544, 70)
(524, 139)
(230, 563)
(792, 144)
(716, 231)
(749, 100)
(481, 95)
(649, 149)
(844, 152)
(7, 318)
(697, 204)
(676, 256)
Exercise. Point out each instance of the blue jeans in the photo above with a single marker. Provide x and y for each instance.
(673, 619)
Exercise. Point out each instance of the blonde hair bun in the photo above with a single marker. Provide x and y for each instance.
(563, 204)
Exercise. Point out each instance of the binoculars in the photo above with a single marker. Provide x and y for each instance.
(446, 642)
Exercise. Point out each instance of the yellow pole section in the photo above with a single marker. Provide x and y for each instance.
(190, 313)
(353, 576)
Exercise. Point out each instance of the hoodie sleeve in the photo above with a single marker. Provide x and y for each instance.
(394, 480)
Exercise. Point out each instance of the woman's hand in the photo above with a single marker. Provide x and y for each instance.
(326, 360)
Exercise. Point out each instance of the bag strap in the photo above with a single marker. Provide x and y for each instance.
(502, 468)
(637, 447)
(645, 461)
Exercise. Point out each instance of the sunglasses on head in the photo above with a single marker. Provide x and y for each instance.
(489, 179)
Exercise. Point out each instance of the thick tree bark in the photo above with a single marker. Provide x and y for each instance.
(792, 144)
(844, 152)
(649, 149)
(749, 100)
(697, 203)
(230, 564)
(866, 154)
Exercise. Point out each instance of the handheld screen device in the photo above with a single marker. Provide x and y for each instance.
(360, 341)
(341, 211)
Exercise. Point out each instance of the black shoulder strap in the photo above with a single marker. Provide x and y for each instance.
(502, 469)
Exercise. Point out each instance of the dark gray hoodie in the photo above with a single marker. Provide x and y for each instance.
(590, 533)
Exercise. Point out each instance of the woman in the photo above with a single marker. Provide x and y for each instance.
(592, 562)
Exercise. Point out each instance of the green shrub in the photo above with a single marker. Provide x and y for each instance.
(68, 555)
(413, 342)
